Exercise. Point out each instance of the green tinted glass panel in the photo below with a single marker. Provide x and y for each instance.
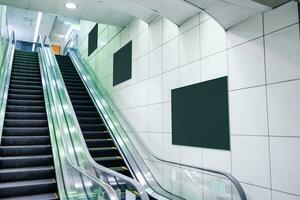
(200, 115)
(122, 64)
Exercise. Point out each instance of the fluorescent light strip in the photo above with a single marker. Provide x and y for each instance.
(37, 27)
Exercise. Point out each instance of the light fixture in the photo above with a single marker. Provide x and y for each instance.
(70, 5)
(67, 23)
(37, 27)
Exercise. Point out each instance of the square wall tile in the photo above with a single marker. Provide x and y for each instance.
(212, 38)
(167, 121)
(189, 74)
(170, 81)
(191, 156)
(192, 22)
(248, 111)
(143, 42)
(280, 17)
(256, 193)
(156, 34)
(283, 196)
(284, 109)
(155, 143)
(171, 152)
(143, 67)
(170, 55)
(245, 31)
(189, 48)
(142, 93)
(285, 164)
(139, 118)
(251, 160)
(214, 66)
(155, 62)
(246, 65)
(282, 55)
(170, 30)
(155, 89)
(155, 118)
(217, 159)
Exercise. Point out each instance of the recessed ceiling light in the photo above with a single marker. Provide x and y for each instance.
(70, 5)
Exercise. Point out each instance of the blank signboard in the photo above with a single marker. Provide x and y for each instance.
(122, 64)
(200, 115)
(93, 40)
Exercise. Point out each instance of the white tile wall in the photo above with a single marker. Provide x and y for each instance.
(251, 160)
(214, 66)
(260, 57)
(279, 46)
(285, 164)
(246, 65)
(284, 109)
(212, 38)
(248, 111)
(245, 31)
(281, 17)
(189, 74)
(170, 55)
(188, 50)
(283, 196)
(256, 193)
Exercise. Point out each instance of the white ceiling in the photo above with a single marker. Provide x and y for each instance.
(24, 22)
(121, 12)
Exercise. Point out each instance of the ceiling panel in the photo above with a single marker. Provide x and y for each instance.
(226, 12)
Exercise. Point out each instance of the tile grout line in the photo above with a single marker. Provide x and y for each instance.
(267, 104)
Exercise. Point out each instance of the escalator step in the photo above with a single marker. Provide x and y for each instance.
(25, 150)
(99, 142)
(27, 187)
(25, 161)
(25, 97)
(46, 196)
(25, 102)
(27, 173)
(25, 123)
(25, 140)
(95, 134)
(22, 115)
(25, 108)
(21, 131)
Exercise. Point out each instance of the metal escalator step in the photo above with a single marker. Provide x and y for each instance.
(26, 91)
(46, 196)
(93, 127)
(25, 161)
(25, 108)
(94, 143)
(115, 161)
(25, 150)
(23, 86)
(26, 173)
(25, 140)
(26, 74)
(95, 134)
(27, 187)
(24, 102)
(26, 82)
(20, 131)
(103, 151)
(25, 123)
(28, 115)
(25, 96)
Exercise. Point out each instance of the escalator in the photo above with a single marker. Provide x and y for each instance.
(26, 161)
(99, 142)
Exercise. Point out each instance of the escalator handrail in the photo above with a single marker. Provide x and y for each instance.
(140, 189)
(235, 182)
(107, 188)
(5, 70)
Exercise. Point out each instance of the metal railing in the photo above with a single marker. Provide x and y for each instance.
(73, 138)
(199, 183)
